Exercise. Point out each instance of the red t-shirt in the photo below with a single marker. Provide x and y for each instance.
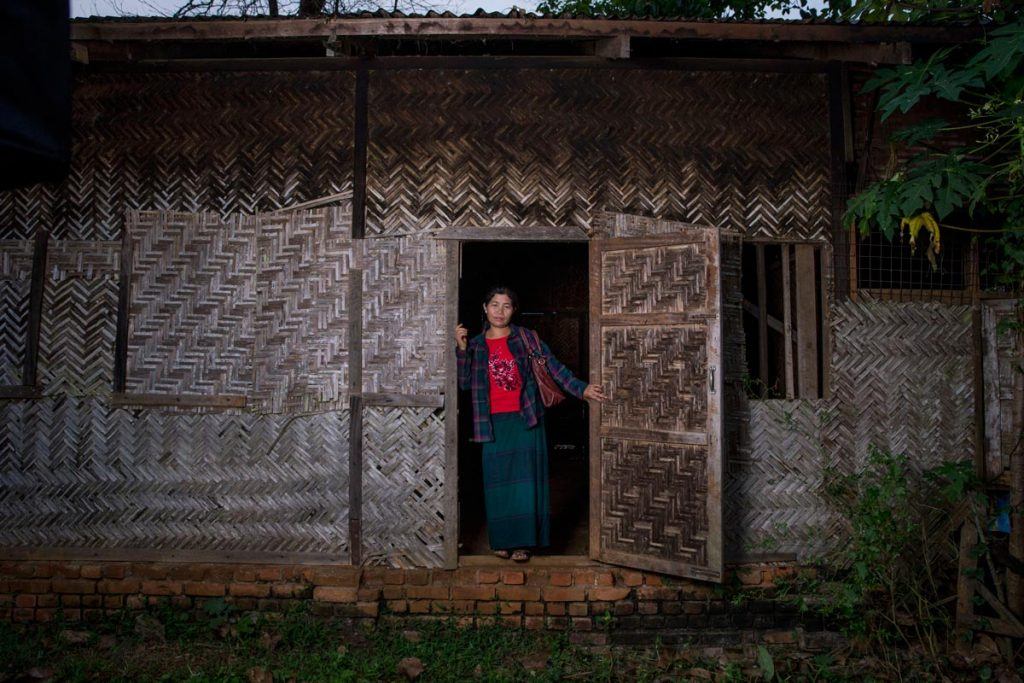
(506, 384)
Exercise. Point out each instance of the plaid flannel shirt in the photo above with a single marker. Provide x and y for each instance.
(473, 375)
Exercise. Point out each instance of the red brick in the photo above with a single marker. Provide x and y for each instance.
(632, 579)
(335, 594)
(604, 579)
(250, 590)
(113, 601)
(653, 580)
(657, 593)
(73, 614)
(780, 637)
(115, 571)
(609, 593)
(560, 579)
(71, 600)
(393, 592)
(91, 571)
(556, 609)
(473, 592)
(25, 601)
(556, 594)
(510, 621)
(419, 606)
(244, 574)
(336, 576)
(578, 609)
(510, 607)
(518, 593)
(487, 607)
(183, 572)
(119, 587)
(368, 609)
(623, 608)
(397, 606)
(290, 590)
(417, 577)
(46, 600)
(582, 624)
(29, 586)
(513, 578)
(395, 577)
(749, 577)
(135, 602)
(219, 573)
(204, 589)
(533, 623)
(647, 608)
(368, 594)
(148, 571)
(92, 600)
(558, 623)
(74, 586)
(269, 574)
(180, 601)
(92, 615)
(441, 577)
(691, 607)
(600, 607)
(24, 614)
(462, 606)
(533, 608)
(161, 587)
(427, 592)
(584, 577)
(45, 615)
(483, 576)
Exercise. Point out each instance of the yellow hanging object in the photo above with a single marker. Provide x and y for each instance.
(913, 226)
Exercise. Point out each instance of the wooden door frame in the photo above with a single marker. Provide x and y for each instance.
(454, 238)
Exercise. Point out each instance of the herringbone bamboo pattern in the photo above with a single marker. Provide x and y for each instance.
(76, 342)
(658, 504)
(403, 315)
(79, 474)
(403, 486)
(655, 280)
(193, 304)
(658, 375)
(531, 147)
(301, 329)
(15, 283)
(216, 142)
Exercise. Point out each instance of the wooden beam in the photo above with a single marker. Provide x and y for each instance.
(35, 308)
(511, 27)
(840, 152)
(762, 320)
(360, 144)
(19, 392)
(355, 409)
(72, 554)
(616, 47)
(526, 233)
(806, 323)
(825, 259)
(880, 53)
(122, 400)
(966, 583)
(451, 412)
(773, 322)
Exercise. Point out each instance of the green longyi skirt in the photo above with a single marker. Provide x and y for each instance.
(516, 492)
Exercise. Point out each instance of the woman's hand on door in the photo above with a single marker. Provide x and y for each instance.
(460, 336)
(594, 392)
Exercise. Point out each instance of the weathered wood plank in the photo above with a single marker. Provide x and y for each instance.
(70, 554)
(360, 143)
(594, 440)
(529, 233)
(124, 289)
(762, 318)
(616, 47)
(451, 413)
(993, 410)
(787, 320)
(355, 429)
(177, 401)
(20, 392)
(693, 438)
(806, 323)
(403, 400)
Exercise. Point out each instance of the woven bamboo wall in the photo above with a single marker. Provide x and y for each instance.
(550, 147)
(15, 280)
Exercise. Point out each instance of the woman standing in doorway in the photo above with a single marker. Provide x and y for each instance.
(508, 419)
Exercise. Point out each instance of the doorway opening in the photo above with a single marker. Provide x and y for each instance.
(551, 279)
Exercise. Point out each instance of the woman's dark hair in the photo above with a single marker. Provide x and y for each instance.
(502, 289)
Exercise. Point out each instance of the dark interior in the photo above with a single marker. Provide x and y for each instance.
(551, 281)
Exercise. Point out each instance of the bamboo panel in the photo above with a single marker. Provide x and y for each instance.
(15, 282)
(78, 474)
(301, 328)
(403, 486)
(76, 346)
(1003, 359)
(193, 304)
(218, 142)
(404, 336)
(518, 148)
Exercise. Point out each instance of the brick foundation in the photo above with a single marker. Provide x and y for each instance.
(600, 604)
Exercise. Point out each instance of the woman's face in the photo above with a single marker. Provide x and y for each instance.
(499, 310)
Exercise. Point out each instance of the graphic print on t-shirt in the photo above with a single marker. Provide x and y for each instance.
(504, 373)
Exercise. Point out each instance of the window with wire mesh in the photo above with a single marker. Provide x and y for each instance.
(783, 320)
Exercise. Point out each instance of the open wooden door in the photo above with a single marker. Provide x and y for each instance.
(656, 445)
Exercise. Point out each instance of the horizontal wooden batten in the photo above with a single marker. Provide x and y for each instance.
(404, 400)
(688, 438)
(510, 27)
(513, 234)
(626, 319)
(175, 556)
(180, 401)
(20, 392)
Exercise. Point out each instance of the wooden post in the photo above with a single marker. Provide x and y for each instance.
(124, 288)
(787, 320)
(762, 318)
(362, 135)
(355, 407)
(806, 322)
(1014, 582)
(451, 412)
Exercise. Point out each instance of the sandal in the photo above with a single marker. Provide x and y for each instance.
(521, 555)
(503, 554)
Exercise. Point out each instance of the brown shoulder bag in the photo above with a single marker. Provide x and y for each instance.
(550, 393)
